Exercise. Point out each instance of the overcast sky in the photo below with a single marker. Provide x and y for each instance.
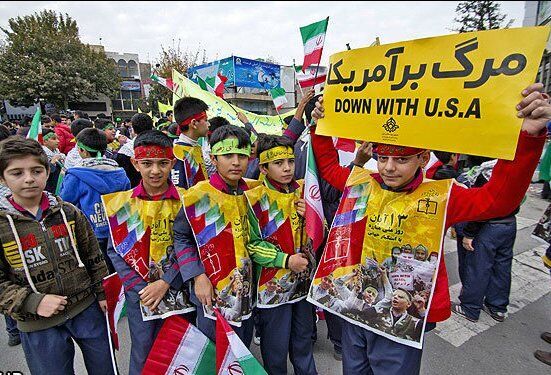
(249, 29)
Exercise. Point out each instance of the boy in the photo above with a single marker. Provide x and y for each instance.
(141, 245)
(96, 175)
(73, 158)
(211, 235)
(283, 260)
(141, 122)
(108, 128)
(400, 173)
(50, 278)
(55, 157)
(191, 165)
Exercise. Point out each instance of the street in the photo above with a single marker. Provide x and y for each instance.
(455, 346)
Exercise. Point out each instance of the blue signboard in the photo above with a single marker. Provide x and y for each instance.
(240, 72)
(256, 74)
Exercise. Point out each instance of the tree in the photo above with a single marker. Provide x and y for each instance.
(172, 58)
(43, 58)
(479, 15)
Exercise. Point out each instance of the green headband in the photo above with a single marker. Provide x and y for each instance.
(89, 149)
(110, 126)
(48, 136)
(230, 146)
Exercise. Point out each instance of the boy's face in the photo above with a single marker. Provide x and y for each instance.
(281, 171)
(154, 171)
(201, 127)
(231, 167)
(26, 177)
(52, 143)
(110, 134)
(397, 171)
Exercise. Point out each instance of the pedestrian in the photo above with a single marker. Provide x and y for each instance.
(52, 268)
(64, 134)
(399, 173)
(73, 158)
(95, 176)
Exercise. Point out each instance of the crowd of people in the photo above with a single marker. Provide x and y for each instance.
(195, 214)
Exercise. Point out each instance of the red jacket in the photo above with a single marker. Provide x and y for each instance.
(66, 138)
(499, 197)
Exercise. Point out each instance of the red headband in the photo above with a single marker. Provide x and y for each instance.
(153, 152)
(187, 121)
(393, 150)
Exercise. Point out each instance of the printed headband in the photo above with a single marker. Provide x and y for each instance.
(153, 152)
(393, 150)
(276, 153)
(197, 116)
(48, 136)
(89, 149)
(230, 146)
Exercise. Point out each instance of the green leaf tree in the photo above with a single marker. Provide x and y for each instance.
(43, 58)
(479, 15)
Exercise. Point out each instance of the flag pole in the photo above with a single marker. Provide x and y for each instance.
(113, 359)
(318, 67)
(296, 79)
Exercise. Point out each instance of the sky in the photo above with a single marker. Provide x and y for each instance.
(249, 29)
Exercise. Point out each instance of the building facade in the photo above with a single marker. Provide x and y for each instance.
(538, 13)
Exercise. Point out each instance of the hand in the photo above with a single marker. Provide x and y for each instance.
(153, 293)
(317, 113)
(364, 153)
(298, 262)
(50, 305)
(301, 207)
(56, 158)
(203, 289)
(103, 305)
(241, 116)
(468, 243)
(535, 109)
(302, 105)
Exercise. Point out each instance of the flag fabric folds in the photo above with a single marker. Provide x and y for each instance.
(232, 356)
(35, 132)
(314, 216)
(278, 96)
(116, 304)
(313, 37)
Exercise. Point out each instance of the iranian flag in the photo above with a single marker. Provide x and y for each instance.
(313, 37)
(116, 305)
(214, 85)
(312, 76)
(35, 132)
(314, 216)
(180, 348)
(278, 96)
(232, 356)
(166, 82)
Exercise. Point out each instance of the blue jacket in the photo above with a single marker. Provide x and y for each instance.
(83, 187)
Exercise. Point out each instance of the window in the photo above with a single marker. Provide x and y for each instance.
(132, 69)
(123, 68)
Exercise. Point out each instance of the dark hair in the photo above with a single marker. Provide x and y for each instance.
(443, 156)
(80, 124)
(45, 119)
(216, 122)
(46, 131)
(173, 130)
(309, 107)
(17, 148)
(81, 114)
(56, 117)
(101, 115)
(268, 141)
(152, 138)
(141, 122)
(102, 123)
(169, 113)
(4, 132)
(93, 138)
(228, 131)
(187, 107)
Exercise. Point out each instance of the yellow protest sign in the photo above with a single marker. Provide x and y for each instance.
(164, 108)
(452, 93)
(218, 107)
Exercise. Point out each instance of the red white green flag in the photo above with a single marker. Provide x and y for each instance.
(314, 217)
(313, 37)
(180, 348)
(312, 76)
(166, 82)
(35, 132)
(278, 96)
(214, 85)
(116, 304)
(232, 356)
